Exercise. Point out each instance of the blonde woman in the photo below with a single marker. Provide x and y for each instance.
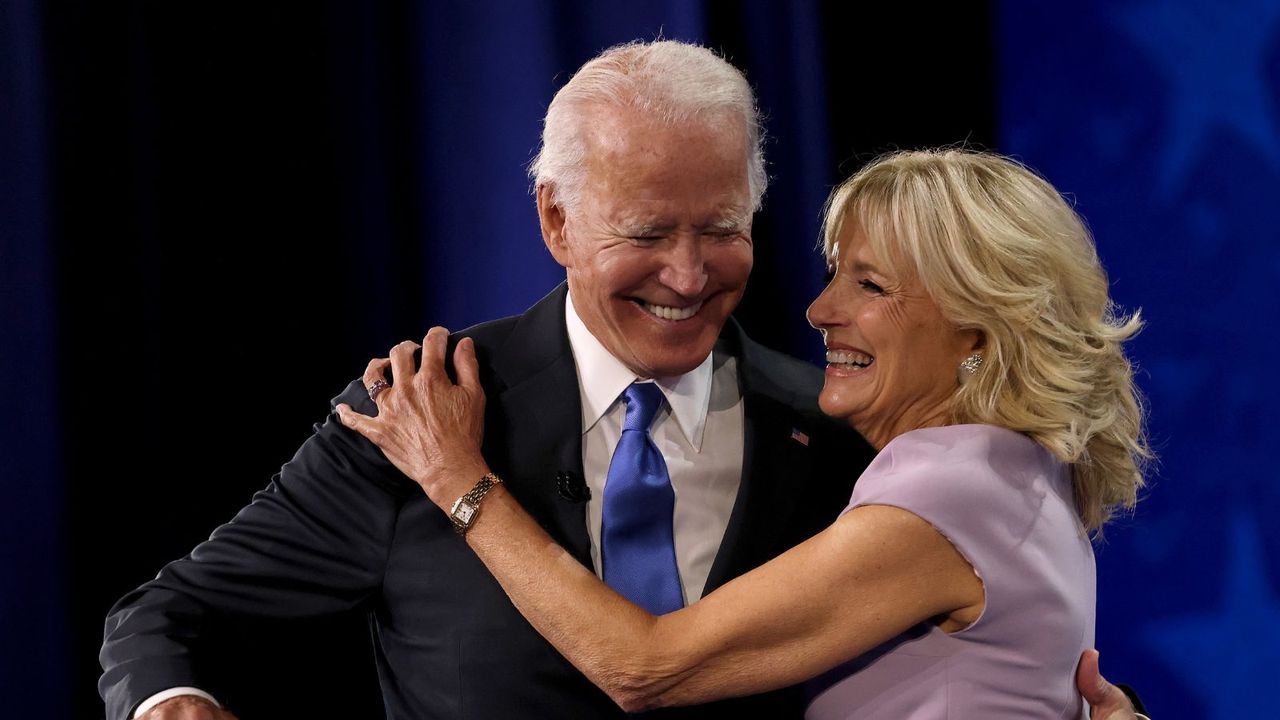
(970, 338)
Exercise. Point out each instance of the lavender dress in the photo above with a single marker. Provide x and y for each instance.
(1006, 504)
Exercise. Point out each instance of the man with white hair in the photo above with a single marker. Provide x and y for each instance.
(650, 171)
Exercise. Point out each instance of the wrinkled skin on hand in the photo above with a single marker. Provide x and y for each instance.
(428, 426)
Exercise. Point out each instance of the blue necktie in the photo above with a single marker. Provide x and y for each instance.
(637, 540)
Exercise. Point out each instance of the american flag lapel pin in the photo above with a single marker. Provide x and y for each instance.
(799, 437)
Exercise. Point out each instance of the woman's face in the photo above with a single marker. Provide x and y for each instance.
(891, 356)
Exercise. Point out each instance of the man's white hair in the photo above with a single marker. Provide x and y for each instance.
(672, 81)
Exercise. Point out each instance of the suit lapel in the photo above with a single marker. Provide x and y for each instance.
(773, 458)
(534, 433)
(535, 422)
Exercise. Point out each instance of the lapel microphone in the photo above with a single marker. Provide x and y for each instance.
(572, 487)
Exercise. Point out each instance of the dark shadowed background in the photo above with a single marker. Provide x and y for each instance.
(213, 214)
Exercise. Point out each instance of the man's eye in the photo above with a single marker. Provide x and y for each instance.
(871, 287)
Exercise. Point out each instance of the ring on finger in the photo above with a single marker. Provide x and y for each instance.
(377, 387)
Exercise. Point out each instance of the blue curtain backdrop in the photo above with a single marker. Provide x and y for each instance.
(211, 216)
(34, 627)
(1163, 120)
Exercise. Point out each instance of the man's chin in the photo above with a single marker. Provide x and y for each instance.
(670, 360)
(670, 348)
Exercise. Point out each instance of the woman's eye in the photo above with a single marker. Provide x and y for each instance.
(871, 286)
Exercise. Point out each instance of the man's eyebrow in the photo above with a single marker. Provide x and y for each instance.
(730, 220)
(728, 223)
(630, 223)
(649, 226)
(641, 229)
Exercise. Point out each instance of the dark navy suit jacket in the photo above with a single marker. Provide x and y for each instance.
(342, 530)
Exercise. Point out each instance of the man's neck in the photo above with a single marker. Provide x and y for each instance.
(602, 377)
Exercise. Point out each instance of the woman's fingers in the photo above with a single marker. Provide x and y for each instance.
(465, 364)
(428, 427)
(375, 377)
(402, 369)
(386, 436)
(362, 424)
(433, 352)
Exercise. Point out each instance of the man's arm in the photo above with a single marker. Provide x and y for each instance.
(777, 625)
(312, 544)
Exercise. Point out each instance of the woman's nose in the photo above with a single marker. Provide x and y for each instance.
(822, 311)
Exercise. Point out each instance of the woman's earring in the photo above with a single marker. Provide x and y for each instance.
(968, 368)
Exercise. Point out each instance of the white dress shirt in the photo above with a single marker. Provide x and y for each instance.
(698, 431)
(163, 695)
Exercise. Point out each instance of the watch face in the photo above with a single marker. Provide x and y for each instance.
(464, 512)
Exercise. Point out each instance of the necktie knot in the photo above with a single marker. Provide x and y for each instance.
(643, 401)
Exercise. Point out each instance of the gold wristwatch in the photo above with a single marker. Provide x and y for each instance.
(467, 507)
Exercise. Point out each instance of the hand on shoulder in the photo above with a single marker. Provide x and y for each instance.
(1106, 701)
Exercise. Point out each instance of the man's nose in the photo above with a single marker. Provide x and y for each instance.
(685, 270)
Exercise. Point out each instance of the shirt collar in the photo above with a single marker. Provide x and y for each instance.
(602, 378)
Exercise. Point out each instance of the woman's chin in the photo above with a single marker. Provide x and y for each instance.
(836, 406)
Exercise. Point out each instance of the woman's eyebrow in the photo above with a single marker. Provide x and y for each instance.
(864, 266)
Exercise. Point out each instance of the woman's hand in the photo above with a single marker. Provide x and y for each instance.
(426, 425)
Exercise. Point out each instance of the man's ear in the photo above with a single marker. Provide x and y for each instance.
(551, 217)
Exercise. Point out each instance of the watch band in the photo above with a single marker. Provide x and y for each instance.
(467, 507)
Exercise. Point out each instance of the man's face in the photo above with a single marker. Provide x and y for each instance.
(658, 249)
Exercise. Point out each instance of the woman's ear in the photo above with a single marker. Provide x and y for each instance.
(971, 342)
(978, 342)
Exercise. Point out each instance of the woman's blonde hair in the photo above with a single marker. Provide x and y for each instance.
(1000, 251)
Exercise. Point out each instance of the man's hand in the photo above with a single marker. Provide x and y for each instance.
(187, 707)
(1106, 701)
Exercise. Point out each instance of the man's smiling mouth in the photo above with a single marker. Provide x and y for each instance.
(666, 312)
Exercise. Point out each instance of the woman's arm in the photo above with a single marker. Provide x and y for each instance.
(873, 574)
